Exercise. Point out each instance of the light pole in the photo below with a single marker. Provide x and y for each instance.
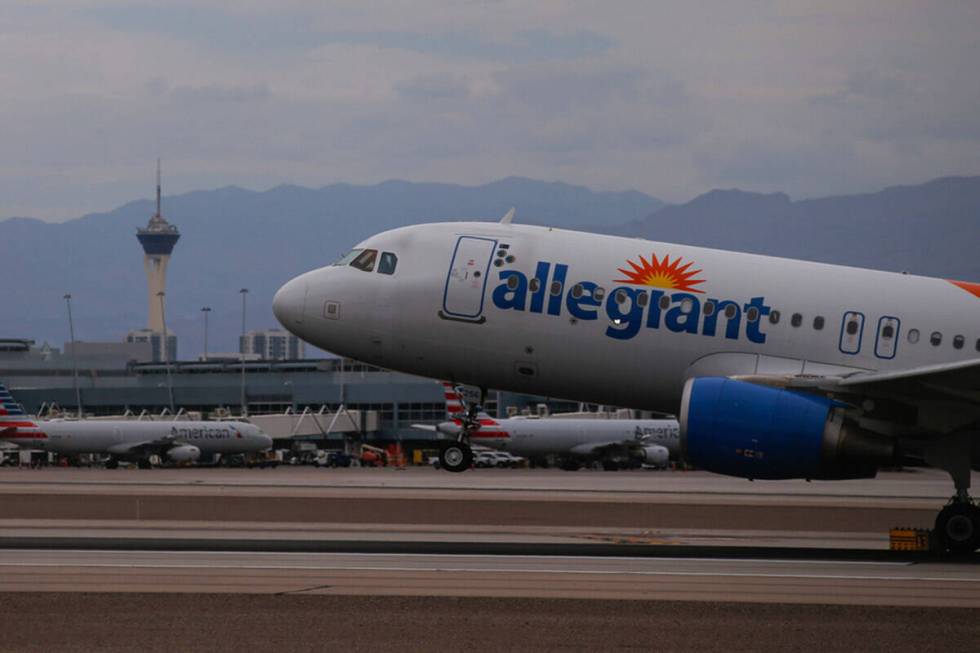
(241, 346)
(166, 351)
(206, 310)
(74, 364)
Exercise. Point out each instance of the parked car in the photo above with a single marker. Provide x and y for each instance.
(507, 459)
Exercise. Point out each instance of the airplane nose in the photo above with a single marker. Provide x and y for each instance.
(289, 303)
(265, 441)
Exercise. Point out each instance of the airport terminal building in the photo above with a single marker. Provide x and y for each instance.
(116, 379)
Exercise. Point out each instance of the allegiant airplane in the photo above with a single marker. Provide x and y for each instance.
(777, 368)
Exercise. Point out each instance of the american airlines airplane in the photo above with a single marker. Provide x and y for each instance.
(777, 368)
(182, 441)
(573, 440)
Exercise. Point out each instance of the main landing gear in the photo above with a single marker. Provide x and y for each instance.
(957, 529)
(457, 456)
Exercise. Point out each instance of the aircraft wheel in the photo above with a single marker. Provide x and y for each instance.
(143, 463)
(112, 463)
(456, 457)
(570, 465)
(958, 528)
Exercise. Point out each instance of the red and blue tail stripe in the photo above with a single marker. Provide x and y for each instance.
(455, 411)
(8, 405)
(15, 425)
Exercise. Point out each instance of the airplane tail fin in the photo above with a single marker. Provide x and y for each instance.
(15, 425)
(10, 410)
(456, 404)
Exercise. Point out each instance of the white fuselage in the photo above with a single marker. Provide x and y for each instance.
(576, 437)
(559, 329)
(118, 437)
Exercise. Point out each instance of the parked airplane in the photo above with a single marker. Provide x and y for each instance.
(133, 440)
(613, 442)
(777, 368)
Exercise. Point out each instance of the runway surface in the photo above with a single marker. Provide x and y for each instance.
(420, 504)
(373, 547)
(761, 580)
(163, 623)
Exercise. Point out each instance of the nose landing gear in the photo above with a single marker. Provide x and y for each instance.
(458, 456)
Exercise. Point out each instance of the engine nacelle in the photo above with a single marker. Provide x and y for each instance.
(753, 431)
(656, 455)
(184, 453)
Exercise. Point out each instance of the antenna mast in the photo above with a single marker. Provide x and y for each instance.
(158, 187)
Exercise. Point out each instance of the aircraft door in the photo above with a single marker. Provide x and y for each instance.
(467, 279)
(851, 332)
(886, 342)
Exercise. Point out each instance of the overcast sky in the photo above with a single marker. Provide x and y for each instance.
(670, 98)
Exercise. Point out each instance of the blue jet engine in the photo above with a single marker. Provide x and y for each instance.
(761, 432)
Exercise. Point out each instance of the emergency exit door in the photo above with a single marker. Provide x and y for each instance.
(467, 279)
(886, 342)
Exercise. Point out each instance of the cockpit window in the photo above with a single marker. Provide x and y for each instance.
(348, 257)
(387, 263)
(365, 260)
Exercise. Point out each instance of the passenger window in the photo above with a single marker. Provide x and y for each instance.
(348, 257)
(913, 336)
(774, 317)
(365, 260)
(709, 308)
(818, 322)
(936, 339)
(888, 332)
(796, 320)
(852, 327)
(387, 263)
(752, 315)
(958, 342)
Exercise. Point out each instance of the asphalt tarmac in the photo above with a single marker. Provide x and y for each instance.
(240, 623)
(753, 579)
(365, 559)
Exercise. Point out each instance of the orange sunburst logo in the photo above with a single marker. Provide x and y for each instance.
(662, 274)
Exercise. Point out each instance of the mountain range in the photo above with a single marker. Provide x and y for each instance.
(233, 238)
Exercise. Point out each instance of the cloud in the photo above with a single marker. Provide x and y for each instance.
(221, 93)
(298, 29)
(434, 87)
(670, 99)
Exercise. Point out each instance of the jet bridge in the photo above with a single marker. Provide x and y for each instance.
(316, 423)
